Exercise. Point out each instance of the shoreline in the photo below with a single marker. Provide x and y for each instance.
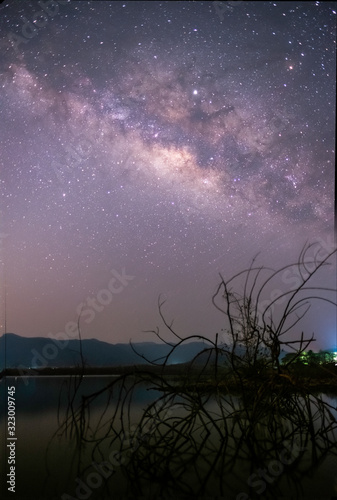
(207, 383)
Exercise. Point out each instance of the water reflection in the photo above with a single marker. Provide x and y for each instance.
(141, 438)
(199, 443)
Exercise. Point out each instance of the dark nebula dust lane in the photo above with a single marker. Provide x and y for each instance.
(173, 139)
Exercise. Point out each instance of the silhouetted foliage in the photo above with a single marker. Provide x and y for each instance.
(235, 403)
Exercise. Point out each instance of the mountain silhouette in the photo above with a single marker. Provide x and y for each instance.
(39, 352)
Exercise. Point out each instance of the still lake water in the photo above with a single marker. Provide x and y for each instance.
(46, 465)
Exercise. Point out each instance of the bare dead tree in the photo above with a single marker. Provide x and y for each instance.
(234, 402)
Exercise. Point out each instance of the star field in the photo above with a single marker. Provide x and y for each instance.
(173, 139)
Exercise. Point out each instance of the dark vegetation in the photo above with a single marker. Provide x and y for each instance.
(320, 374)
(236, 405)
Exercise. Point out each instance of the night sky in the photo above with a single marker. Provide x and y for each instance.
(148, 146)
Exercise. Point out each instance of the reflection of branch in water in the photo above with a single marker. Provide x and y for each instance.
(234, 407)
(193, 442)
(73, 423)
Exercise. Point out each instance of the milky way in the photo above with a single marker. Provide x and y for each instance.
(175, 140)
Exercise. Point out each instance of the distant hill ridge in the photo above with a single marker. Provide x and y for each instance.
(40, 352)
